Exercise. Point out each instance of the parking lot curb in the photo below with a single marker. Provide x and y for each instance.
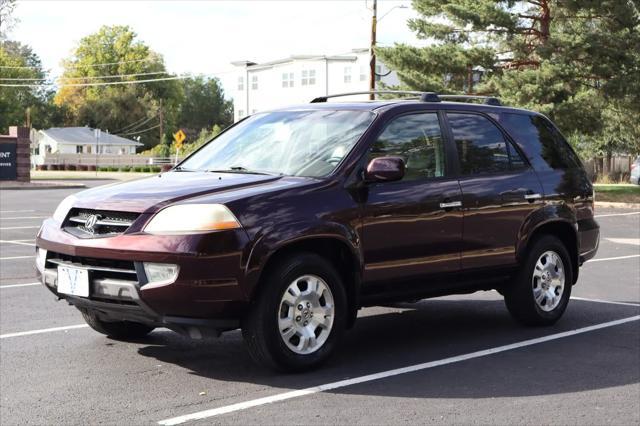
(42, 185)
(607, 204)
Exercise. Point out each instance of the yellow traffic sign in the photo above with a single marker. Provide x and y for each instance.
(179, 137)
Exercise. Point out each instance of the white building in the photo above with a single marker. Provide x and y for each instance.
(300, 78)
(82, 140)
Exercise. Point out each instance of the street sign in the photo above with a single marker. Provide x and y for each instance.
(179, 137)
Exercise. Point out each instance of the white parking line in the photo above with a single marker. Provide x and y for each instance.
(20, 243)
(43, 330)
(630, 241)
(19, 227)
(385, 374)
(612, 258)
(16, 211)
(19, 285)
(584, 299)
(16, 257)
(616, 214)
(24, 217)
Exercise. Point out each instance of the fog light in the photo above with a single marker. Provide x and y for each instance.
(41, 258)
(160, 273)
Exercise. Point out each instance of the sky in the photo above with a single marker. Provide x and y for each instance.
(204, 37)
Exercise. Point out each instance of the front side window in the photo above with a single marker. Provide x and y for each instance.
(481, 146)
(417, 139)
(293, 143)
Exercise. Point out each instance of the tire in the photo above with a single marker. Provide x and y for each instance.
(123, 330)
(520, 297)
(274, 329)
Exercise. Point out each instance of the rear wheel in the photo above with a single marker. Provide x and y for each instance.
(117, 329)
(299, 315)
(540, 292)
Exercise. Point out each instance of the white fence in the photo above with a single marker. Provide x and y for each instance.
(101, 160)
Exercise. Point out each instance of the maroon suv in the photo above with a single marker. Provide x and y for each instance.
(290, 221)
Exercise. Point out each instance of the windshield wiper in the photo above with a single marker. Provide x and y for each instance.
(182, 169)
(240, 169)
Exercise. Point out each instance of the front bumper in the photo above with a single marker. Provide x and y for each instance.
(208, 291)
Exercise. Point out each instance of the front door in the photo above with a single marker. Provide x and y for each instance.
(499, 191)
(412, 227)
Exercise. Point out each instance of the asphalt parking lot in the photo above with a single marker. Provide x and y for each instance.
(449, 360)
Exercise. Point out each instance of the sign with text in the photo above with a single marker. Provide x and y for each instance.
(8, 162)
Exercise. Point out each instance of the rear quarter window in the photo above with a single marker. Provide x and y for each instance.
(540, 140)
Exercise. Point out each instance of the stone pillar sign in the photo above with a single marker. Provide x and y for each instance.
(15, 151)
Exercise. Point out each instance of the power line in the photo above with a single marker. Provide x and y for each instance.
(83, 78)
(106, 64)
(137, 132)
(108, 83)
(138, 123)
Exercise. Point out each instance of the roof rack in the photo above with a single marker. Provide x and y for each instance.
(489, 100)
(423, 96)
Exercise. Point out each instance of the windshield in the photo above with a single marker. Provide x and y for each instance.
(294, 143)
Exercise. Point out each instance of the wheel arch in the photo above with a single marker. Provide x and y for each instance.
(563, 229)
(340, 251)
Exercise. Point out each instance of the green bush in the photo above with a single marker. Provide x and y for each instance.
(137, 169)
(125, 168)
(146, 169)
(156, 169)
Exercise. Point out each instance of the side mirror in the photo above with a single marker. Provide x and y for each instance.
(384, 169)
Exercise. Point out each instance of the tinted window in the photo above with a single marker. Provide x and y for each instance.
(417, 139)
(544, 145)
(481, 146)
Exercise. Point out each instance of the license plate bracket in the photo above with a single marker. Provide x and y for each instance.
(73, 281)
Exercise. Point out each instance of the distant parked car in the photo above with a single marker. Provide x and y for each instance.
(635, 172)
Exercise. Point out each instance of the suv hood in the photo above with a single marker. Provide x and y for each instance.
(152, 193)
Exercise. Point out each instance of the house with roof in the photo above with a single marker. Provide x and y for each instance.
(83, 140)
(300, 78)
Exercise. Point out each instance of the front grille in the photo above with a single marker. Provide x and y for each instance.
(86, 223)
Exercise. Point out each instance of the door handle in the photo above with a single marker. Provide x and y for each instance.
(451, 204)
(532, 197)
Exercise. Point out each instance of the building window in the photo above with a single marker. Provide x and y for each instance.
(347, 74)
(287, 79)
(78, 149)
(240, 83)
(88, 149)
(363, 73)
(308, 77)
(254, 82)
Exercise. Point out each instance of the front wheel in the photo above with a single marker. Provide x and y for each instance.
(299, 315)
(540, 292)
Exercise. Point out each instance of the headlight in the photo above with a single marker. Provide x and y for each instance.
(41, 257)
(63, 208)
(185, 218)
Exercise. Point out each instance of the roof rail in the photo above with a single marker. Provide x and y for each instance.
(424, 96)
(489, 100)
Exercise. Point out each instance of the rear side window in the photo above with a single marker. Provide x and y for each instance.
(481, 146)
(417, 139)
(544, 145)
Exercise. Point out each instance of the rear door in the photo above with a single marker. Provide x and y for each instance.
(499, 190)
(412, 227)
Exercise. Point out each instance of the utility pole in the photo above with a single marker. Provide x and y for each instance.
(161, 122)
(372, 62)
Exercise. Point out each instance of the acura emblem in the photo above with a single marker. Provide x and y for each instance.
(91, 222)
